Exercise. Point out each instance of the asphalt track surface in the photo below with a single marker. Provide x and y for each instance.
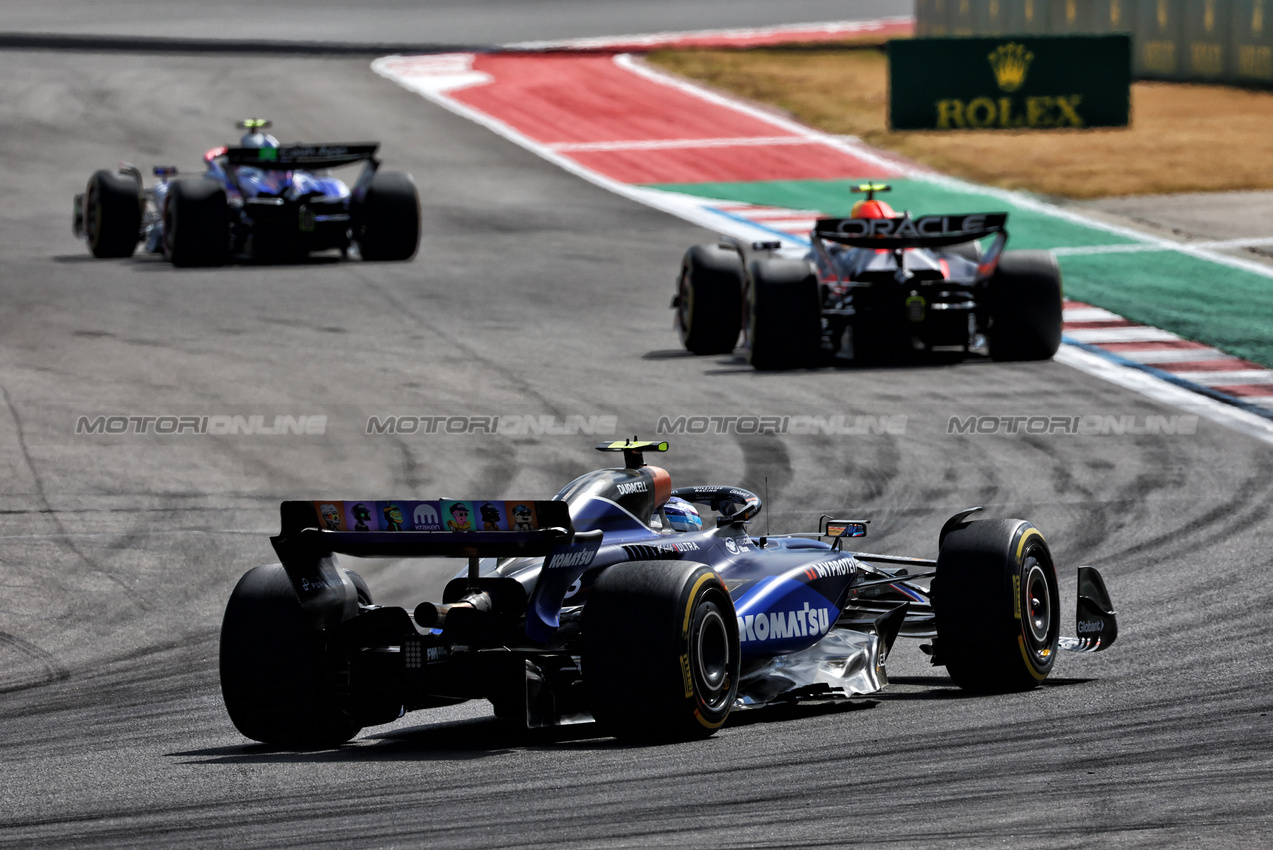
(536, 294)
(422, 21)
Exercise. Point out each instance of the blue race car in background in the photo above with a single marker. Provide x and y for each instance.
(260, 200)
(612, 602)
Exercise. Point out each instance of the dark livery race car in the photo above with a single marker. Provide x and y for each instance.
(260, 200)
(613, 601)
(875, 285)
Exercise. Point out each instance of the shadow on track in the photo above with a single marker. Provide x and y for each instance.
(485, 737)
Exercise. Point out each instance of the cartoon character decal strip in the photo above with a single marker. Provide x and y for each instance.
(391, 513)
(331, 515)
(522, 515)
(359, 517)
(457, 516)
(411, 515)
(491, 515)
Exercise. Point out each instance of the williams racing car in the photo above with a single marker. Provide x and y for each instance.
(259, 200)
(614, 601)
(875, 285)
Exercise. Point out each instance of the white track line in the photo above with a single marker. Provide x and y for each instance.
(1141, 333)
(1229, 378)
(1209, 245)
(665, 38)
(1173, 355)
(1090, 314)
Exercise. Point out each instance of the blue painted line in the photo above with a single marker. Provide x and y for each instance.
(784, 235)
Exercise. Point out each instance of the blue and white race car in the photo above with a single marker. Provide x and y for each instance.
(613, 601)
(259, 200)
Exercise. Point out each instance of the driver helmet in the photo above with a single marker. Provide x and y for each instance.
(682, 515)
(872, 209)
(258, 140)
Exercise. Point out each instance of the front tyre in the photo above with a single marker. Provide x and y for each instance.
(660, 650)
(389, 218)
(995, 599)
(274, 676)
(112, 214)
(709, 299)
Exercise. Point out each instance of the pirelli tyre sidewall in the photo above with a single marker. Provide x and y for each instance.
(196, 222)
(783, 314)
(388, 218)
(1025, 306)
(995, 599)
(276, 681)
(112, 214)
(661, 654)
(709, 299)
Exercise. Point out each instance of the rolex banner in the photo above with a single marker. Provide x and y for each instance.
(1012, 82)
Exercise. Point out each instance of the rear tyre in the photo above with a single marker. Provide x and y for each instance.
(112, 214)
(995, 599)
(196, 223)
(1025, 307)
(784, 315)
(274, 678)
(660, 650)
(709, 299)
(389, 218)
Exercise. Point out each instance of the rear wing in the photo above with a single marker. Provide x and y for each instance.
(303, 155)
(930, 231)
(313, 531)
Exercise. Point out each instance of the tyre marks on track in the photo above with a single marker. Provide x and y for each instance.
(24, 665)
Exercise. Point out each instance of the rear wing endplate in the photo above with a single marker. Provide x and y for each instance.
(303, 155)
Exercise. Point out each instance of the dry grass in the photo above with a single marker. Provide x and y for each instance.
(1183, 138)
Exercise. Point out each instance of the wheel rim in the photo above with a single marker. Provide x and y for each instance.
(93, 217)
(170, 225)
(684, 305)
(1038, 606)
(711, 654)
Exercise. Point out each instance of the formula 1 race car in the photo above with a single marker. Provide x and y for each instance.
(613, 602)
(873, 286)
(260, 200)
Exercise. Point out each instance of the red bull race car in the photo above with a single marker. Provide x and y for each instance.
(615, 601)
(259, 200)
(874, 286)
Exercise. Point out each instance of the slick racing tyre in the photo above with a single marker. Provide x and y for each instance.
(661, 655)
(709, 299)
(196, 223)
(112, 214)
(996, 604)
(389, 218)
(1025, 307)
(273, 673)
(784, 315)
